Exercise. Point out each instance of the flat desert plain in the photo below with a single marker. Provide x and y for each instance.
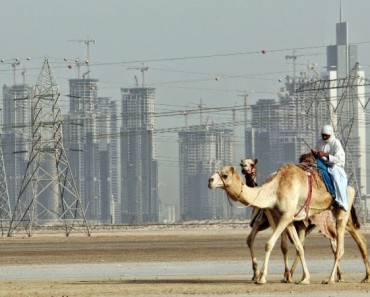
(198, 259)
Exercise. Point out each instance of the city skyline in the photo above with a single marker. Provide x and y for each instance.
(209, 50)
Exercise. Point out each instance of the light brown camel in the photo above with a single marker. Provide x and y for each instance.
(262, 219)
(287, 194)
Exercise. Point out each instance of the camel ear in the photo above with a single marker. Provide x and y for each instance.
(233, 169)
(255, 161)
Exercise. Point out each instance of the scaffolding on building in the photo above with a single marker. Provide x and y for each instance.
(48, 195)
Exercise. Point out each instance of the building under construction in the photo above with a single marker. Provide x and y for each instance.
(139, 167)
(202, 151)
(16, 134)
(283, 129)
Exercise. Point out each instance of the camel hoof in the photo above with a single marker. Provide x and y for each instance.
(303, 282)
(287, 280)
(260, 281)
(327, 282)
(366, 280)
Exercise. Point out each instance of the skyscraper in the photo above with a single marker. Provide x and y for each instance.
(16, 134)
(347, 100)
(306, 104)
(81, 138)
(139, 167)
(108, 137)
(202, 151)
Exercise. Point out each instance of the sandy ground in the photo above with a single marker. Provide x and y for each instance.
(189, 244)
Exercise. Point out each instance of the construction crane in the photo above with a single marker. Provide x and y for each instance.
(14, 63)
(142, 70)
(86, 41)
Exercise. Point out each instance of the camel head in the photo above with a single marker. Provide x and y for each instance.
(224, 178)
(248, 166)
(307, 158)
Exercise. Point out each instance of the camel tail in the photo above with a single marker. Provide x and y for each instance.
(356, 222)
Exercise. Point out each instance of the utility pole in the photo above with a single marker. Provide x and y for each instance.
(48, 194)
(245, 97)
(234, 135)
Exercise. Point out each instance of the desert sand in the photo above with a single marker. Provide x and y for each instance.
(182, 244)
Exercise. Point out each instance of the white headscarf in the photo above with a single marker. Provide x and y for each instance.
(328, 130)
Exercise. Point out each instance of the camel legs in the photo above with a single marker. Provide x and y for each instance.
(361, 243)
(284, 223)
(303, 232)
(333, 245)
(284, 250)
(250, 242)
(257, 227)
(342, 218)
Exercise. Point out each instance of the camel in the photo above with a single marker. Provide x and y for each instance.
(287, 193)
(262, 219)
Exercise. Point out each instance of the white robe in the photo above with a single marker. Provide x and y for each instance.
(336, 162)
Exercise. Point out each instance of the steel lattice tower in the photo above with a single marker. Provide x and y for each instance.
(5, 210)
(48, 194)
(341, 101)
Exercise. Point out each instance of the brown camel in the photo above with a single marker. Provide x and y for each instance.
(287, 194)
(262, 219)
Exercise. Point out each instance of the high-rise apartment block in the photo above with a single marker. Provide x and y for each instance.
(16, 134)
(139, 167)
(81, 140)
(108, 146)
(202, 151)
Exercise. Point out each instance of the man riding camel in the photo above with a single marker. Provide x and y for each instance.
(329, 149)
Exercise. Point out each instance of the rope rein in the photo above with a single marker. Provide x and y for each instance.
(238, 197)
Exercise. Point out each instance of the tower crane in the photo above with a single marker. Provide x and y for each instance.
(14, 63)
(86, 41)
(142, 70)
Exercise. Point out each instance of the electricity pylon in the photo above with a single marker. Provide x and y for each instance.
(5, 210)
(341, 101)
(48, 195)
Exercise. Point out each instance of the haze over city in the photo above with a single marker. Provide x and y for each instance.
(208, 51)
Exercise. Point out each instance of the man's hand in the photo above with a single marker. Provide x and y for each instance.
(319, 154)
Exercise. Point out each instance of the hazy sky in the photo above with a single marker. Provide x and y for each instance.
(186, 44)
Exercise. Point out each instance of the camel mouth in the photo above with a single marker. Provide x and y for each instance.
(210, 186)
(244, 171)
